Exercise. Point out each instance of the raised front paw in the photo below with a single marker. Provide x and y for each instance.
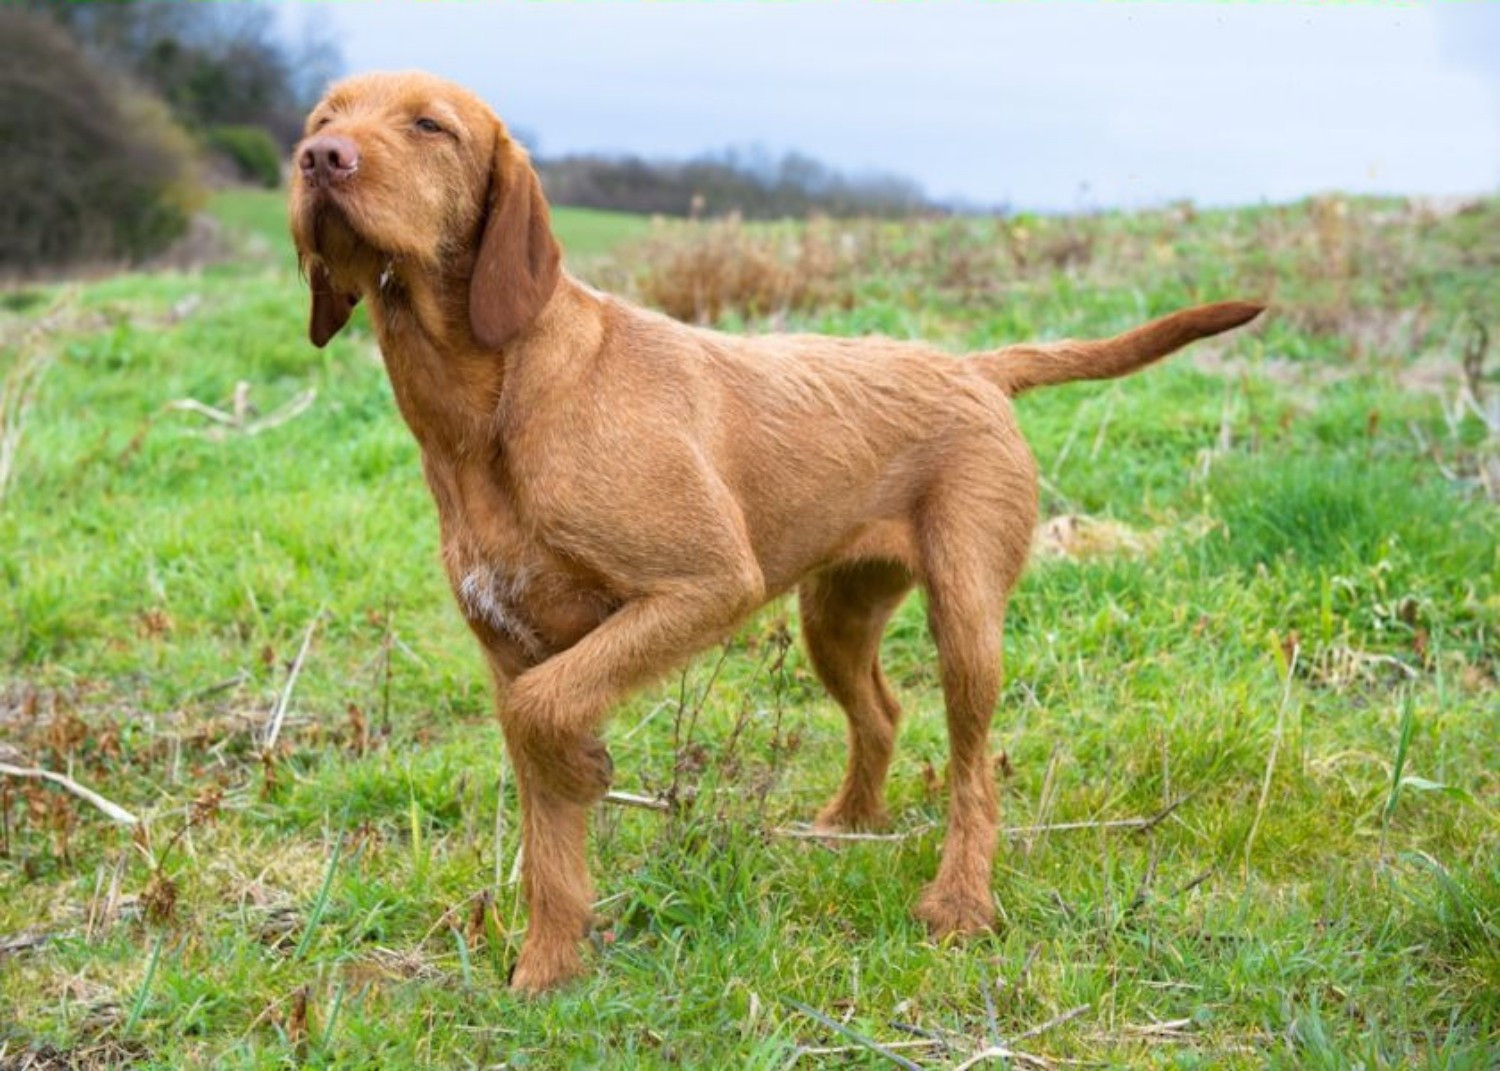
(573, 764)
(576, 768)
(586, 769)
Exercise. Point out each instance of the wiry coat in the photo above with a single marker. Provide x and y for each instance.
(617, 490)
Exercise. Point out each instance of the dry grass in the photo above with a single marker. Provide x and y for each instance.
(700, 273)
(703, 272)
(1070, 535)
(1367, 277)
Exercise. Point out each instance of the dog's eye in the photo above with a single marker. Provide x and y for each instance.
(428, 126)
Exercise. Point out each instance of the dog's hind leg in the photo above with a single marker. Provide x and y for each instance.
(844, 612)
(973, 552)
(968, 637)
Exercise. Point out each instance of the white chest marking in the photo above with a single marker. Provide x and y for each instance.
(491, 595)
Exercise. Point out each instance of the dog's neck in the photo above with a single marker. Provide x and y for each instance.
(449, 388)
(444, 385)
(408, 300)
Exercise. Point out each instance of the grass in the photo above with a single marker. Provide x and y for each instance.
(1300, 653)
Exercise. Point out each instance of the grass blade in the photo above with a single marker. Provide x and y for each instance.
(322, 901)
(145, 992)
(1288, 667)
(1403, 748)
(463, 955)
(1398, 767)
(333, 1015)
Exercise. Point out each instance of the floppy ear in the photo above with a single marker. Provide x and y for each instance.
(330, 307)
(518, 262)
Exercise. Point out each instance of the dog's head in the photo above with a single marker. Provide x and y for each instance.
(409, 169)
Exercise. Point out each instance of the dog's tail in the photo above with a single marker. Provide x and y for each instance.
(1019, 368)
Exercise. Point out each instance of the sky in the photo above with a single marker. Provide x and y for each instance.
(1056, 105)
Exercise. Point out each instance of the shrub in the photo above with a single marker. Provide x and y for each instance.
(251, 150)
(698, 272)
(93, 169)
(212, 63)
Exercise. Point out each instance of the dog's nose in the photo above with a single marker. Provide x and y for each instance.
(328, 159)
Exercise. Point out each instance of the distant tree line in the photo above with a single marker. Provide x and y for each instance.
(753, 184)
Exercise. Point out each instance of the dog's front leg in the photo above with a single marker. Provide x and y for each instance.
(554, 874)
(551, 715)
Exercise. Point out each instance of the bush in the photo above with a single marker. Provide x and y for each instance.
(250, 149)
(699, 272)
(93, 169)
(213, 64)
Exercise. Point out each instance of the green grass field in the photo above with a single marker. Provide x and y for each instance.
(1266, 632)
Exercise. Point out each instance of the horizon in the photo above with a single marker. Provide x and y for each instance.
(1152, 103)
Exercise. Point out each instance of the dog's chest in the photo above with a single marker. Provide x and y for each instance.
(525, 601)
(522, 604)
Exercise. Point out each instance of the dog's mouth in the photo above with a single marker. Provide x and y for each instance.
(322, 217)
(327, 230)
(332, 230)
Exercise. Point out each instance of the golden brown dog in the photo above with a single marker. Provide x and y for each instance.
(617, 490)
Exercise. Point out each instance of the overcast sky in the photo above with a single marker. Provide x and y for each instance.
(1054, 105)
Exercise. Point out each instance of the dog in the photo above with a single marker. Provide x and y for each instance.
(617, 491)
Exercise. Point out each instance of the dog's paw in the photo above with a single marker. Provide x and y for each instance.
(574, 765)
(841, 816)
(578, 769)
(544, 967)
(589, 768)
(952, 912)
